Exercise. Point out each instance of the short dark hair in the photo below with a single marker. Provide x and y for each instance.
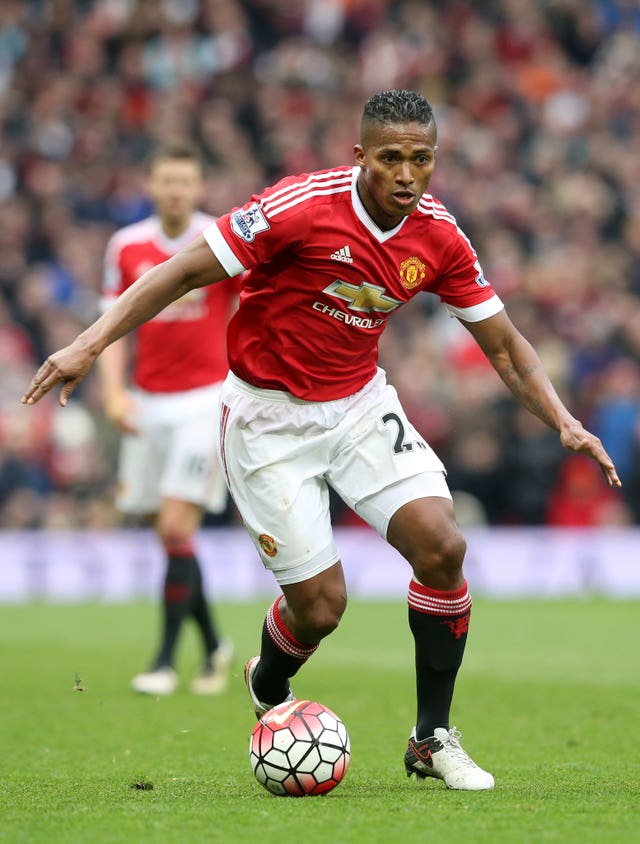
(397, 106)
(175, 152)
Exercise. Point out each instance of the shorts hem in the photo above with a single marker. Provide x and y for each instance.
(303, 571)
(379, 508)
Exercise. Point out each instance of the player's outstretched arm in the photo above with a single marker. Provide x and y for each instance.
(519, 366)
(194, 266)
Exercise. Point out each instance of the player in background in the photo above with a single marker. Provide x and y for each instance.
(329, 257)
(168, 468)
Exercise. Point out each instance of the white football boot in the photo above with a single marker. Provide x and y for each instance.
(161, 681)
(213, 678)
(443, 757)
(260, 707)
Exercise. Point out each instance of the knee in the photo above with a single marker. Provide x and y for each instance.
(173, 534)
(177, 522)
(325, 618)
(439, 562)
(316, 619)
(450, 549)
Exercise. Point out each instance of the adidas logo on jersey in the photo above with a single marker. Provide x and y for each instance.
(343, 255)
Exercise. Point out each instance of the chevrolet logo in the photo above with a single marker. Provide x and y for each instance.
(366, 297)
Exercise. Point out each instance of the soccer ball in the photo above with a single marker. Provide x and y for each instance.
(298, 748)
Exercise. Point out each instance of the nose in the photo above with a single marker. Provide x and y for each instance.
(404, 174)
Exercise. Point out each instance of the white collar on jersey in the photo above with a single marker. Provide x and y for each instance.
(197, 223)
(363, 215)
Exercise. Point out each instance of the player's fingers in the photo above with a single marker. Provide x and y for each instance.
(28, 395)
(607, 465)
(43, 381)
(611, 476)
(67, 389)
(591, 445)
(34, 385)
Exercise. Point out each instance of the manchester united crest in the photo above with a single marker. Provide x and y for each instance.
(268, 544)
(412, 272)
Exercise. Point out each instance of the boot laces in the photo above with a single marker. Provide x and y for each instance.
(455, 749)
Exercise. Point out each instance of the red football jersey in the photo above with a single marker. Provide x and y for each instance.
(184, 346)
(323, 280)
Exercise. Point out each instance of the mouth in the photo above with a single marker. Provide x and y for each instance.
(404, 197)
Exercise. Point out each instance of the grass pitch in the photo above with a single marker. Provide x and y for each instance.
(548, 700)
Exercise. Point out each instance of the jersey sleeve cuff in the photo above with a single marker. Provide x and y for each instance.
(221, 250)
(478, 312)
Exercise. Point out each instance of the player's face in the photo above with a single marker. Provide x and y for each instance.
(396, 161)
(176, 188)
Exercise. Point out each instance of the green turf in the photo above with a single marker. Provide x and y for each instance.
(548, 701)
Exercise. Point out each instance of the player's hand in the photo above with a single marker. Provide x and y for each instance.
(67, 367)
(577, 438)
(119, 408)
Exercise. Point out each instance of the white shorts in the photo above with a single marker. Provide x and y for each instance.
(280, 455)
(174, 455)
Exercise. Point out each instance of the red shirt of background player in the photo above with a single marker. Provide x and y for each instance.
(184, 346)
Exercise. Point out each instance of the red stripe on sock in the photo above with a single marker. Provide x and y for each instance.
(176, 593)
(282, 637)
(180, 549)
(439, 602)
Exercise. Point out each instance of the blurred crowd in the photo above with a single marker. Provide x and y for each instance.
(538, 109)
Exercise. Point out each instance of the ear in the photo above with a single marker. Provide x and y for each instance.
(358, 152)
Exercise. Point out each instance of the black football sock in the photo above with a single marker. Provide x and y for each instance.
(179, 586)
(202, 614)
(439, 622)
(281, 656)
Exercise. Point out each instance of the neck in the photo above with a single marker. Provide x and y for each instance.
(383, 220)
(174, 228)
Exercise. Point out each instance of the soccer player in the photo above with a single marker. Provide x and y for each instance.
(168, 467)
(329, 257)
